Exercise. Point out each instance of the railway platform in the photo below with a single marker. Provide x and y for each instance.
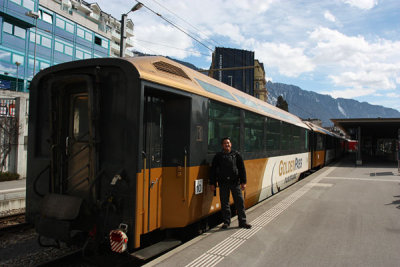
(12, 195)
(341, 215)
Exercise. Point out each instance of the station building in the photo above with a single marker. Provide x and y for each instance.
(36, 34)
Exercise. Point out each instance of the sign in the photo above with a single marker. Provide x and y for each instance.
(198, 186)
(5, 84)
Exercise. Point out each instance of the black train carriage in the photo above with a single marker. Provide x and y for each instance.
(123, 146)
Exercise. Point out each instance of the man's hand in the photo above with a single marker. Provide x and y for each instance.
(243, 186)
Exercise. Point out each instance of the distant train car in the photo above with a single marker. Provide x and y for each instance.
(119, 149)
(352, 146)
(325, 146)
(318, 146)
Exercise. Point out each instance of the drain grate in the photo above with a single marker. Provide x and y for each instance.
(381, 173)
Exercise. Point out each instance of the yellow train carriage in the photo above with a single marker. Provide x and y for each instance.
(127, 144)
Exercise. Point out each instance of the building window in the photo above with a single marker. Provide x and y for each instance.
(29, 4)
(7, 27)
(5, 56)
(18, 58)
(80, 33)
(11, 57)
(14, 30)
(46, 42)
(40, 39)
(68, 50)
(63, 48)
(21, 33)
(59, 47)
(97, 40)
(69, 27)
(79, 54)
(60, 23)
(46, 16)
(89, 36)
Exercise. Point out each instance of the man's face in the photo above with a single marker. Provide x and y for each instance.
(226, 145)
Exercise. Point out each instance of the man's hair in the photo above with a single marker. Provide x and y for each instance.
(225, 138)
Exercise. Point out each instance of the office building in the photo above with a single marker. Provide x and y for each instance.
(38, 34)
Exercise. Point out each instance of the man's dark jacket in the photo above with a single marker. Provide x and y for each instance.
(227, 168)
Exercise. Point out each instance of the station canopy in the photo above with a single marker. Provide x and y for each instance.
(387, 128)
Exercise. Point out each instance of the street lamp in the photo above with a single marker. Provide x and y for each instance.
(35, 16)
(123, 30)
(16, 85)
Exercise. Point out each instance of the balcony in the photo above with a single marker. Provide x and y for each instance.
(128, 53)
(129, 42)
(115, 35)
(114, 47)
(80, 6)
(94, 16)
(129, 31)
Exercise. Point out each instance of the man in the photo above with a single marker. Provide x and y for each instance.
(228, 170)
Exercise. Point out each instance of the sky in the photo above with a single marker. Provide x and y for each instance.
(342, 48)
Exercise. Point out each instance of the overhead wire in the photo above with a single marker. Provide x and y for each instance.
(239, 59)
(176, 26)
(190, 51)
(191, 25)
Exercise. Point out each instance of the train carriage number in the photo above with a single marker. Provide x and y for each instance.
(198, 186)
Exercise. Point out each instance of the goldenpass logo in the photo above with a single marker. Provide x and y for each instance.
(286, 167)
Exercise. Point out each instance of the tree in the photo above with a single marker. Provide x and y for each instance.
(9, 131)
(282, 104)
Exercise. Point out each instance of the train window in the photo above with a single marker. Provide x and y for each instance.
(319, 142)
(273, 135)
(80, 118)
(296, 137)
(223, 120)
(286, 139)
(304, 140)
(254, 132)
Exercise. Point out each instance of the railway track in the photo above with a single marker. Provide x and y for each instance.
(13, 222)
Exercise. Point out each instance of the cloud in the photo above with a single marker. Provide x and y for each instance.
(362, 4)
(354, 62)
(290, 61)
(349, 93)
(163, 34)
(231, 31)
(328, 15)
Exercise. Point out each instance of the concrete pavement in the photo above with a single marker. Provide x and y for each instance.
(340, 216)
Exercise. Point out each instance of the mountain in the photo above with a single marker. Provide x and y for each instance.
(307, 104)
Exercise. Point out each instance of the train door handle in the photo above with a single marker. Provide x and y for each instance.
(153, 182)
(67, 141)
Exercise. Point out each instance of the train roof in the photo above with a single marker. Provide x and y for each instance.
(168, 72)
(320, 129)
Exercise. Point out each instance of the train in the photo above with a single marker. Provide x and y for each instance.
(120, 149)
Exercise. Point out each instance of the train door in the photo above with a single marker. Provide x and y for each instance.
(153, 149)
(73, 156)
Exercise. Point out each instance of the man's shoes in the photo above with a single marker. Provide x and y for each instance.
(225, 226)
(245, 225)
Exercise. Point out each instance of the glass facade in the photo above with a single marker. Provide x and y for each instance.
(28, 46)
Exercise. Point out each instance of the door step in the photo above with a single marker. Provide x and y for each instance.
(156, 249)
